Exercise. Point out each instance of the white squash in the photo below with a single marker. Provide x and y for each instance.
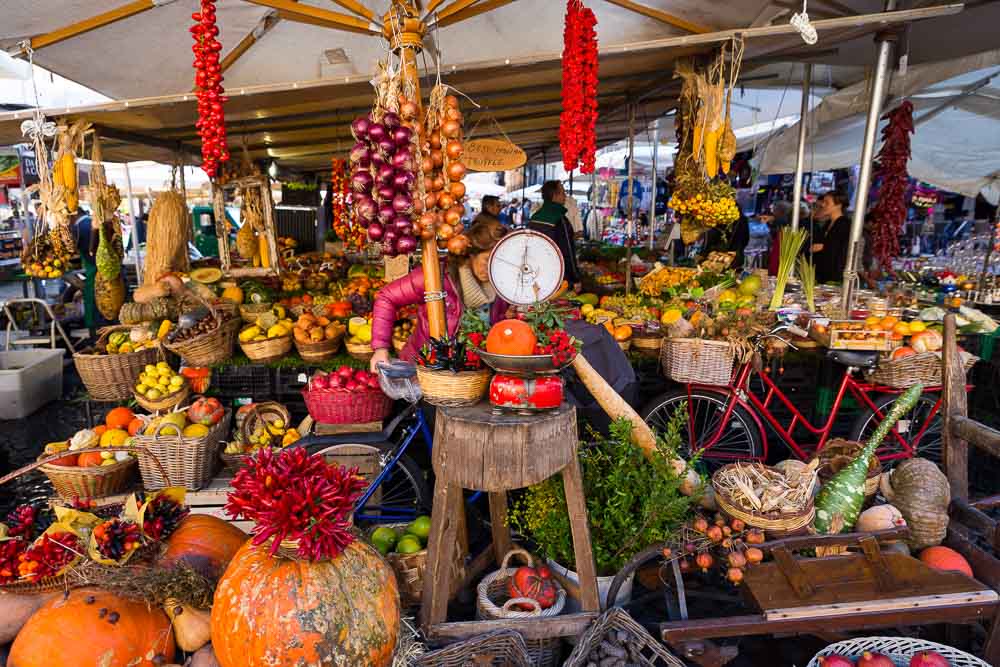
(879, 517)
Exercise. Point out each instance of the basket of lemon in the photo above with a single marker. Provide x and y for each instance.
(269, 339)
(159, 388)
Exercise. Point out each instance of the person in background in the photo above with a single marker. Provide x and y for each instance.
(830, 241)
(490, 211)
(516, 214)
(550, 219)
(525, 212)
(505, 217)
(86, 243)
(574, 217)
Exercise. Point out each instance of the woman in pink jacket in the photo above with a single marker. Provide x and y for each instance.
(466, 285)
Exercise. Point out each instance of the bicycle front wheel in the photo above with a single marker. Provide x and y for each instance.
(402, 494)
(708, 431)
(920, 428)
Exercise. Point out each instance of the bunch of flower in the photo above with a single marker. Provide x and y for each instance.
(578, 120)
(353, 236)
(211, 121)
(294, 496)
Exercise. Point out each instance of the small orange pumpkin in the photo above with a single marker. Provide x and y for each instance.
(89, 626)
(135, 426)
(119, 418)
(945, 559)
(272, 611)
(512, 337)
(205, 543)
(89, 460)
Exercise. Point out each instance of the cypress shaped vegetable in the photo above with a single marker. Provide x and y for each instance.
(844, 494)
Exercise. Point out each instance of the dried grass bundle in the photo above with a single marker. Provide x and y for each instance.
(756, 487)
(167, 236)
(149, 583)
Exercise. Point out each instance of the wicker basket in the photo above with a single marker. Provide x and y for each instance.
(772, 522)
(249, 312)
(110, 377)
(266, 351)
(625, 345)
(837, 453)
(697, 361)
(644, 649)
(343, 407)
(647, 345)
(502, 648)
(923, 368)
(411, 569)
(451, 390)
(189, 462)
(897, 649)
(210, 348)
(493, 603)
(359, 351)
(321, 351)
(168, 402)
(72, 482)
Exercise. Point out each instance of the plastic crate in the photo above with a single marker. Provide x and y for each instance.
(289, 382)
(28, 380)
(252, 382)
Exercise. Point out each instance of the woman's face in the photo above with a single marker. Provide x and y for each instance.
(481, 266)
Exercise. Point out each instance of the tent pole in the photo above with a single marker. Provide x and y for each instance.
(630, 221)
(652, 202)
(184, 193)
(800, 156)
(135, 230)
(884, 43)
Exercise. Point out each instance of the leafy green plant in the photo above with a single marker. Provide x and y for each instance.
(632, 501)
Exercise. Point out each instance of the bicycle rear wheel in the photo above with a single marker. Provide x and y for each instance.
(400, 497)
(738, 439)
(921, 428)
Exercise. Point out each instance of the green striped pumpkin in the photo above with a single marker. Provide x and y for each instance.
(844, 494)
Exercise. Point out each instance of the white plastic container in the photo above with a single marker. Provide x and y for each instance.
(28, 380)
(603, 588)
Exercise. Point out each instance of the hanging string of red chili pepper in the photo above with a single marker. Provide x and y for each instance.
(211, 122)
(353, 236)
(889, 213)
(578, 120)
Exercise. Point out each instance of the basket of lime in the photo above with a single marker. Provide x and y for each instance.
(404, 545)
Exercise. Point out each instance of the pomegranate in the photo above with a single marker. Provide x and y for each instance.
(835, 661)
(929, 659)
(874, 660)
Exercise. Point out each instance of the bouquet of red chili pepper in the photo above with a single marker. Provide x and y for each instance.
(889, 212)
(294, 495)
(578, 121)
(451, 354)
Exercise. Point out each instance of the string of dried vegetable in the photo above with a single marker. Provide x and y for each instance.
(889, 212)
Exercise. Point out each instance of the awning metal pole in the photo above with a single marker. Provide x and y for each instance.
(630, 222)
(135, 230)
(652, 203)
(879, 80)
(800, 156)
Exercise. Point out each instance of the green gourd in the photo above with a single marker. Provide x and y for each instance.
(109, 262)
(844, 494)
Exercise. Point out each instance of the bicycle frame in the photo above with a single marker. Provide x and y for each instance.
(739, 393)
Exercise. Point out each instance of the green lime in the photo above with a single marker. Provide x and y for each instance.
(408, 544)
(421, 527)
(384, 539)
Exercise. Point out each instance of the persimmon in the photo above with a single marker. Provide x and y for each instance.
(512, 337)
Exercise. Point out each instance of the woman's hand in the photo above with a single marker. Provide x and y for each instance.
(381, 354)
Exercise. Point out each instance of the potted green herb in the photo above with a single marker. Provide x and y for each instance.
(632, 502)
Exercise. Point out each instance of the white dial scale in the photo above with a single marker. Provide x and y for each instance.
(525, 267)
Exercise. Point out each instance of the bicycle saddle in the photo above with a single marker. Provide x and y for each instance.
(855, 358)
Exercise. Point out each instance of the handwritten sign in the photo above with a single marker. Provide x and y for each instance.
(492, 155)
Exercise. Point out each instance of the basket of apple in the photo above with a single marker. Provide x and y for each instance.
(346, 396)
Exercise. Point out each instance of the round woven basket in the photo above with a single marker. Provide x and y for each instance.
(321, 351)
(773, 522)
(249, 312)
(647, 345)
(411, 569)
(168, 402)
(897, 649)
(493, 603)
(359, 351)
(697, 361)
(924, 368)
(210, 348)
(452, 390)
(342, 407)
(93, 482)
(266, 351)
(110, 377)
(837, 453)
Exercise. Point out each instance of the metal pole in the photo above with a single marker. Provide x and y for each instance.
(630, 221)
(131, 217)
(652, 202)
(800, 156)
(593, 207)
(184, 193)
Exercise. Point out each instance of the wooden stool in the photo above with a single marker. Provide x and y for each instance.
(477, 449)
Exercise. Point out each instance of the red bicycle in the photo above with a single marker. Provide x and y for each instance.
(726, 423)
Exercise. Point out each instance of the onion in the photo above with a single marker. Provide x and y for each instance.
(418, 206)
(452, 113)
(456, 171)
(426, 165)
(451, 129)
(376, 231)
(437, 158)
(366, 210)
(361, 199)
(402, 179)
(402, 136)
(438, 183)
(378, 159)
(387, 147)
(457, 189)
(430, 200)
(428, 233)
(445, 200)
(402, 203)
(428, 184)
(360, 127)
(391, 120)
(445, 232)
(452, 217)
(386, 213)
(435, 140)
(454, 149)
(402, 158)
(428, 221)
(360, 152)
(458, 208)
(408, 110)
(390, 236)
(384, 174)
(406, 245)
(457, 245)
(377, 132)
(451, 101)
(402, 224)
(385, 194)
(361, 181)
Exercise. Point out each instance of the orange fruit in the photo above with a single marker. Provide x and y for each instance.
(90, 460)
(119, 418)
(99, 430)
(888, 322)
(901, 328)
(135, 426)
(512, 337)
(873, 319)
(622, 333)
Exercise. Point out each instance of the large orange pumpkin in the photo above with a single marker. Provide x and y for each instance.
(205, 543)
(119, 418)
(512, 337)
(93, 627)
(943, 558)
(276, 612)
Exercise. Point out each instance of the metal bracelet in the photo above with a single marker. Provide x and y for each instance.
(434, 296)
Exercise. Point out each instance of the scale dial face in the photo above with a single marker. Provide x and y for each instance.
(525, 268)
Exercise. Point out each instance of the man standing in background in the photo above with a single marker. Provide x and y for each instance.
(829, 244)
(551, 220)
